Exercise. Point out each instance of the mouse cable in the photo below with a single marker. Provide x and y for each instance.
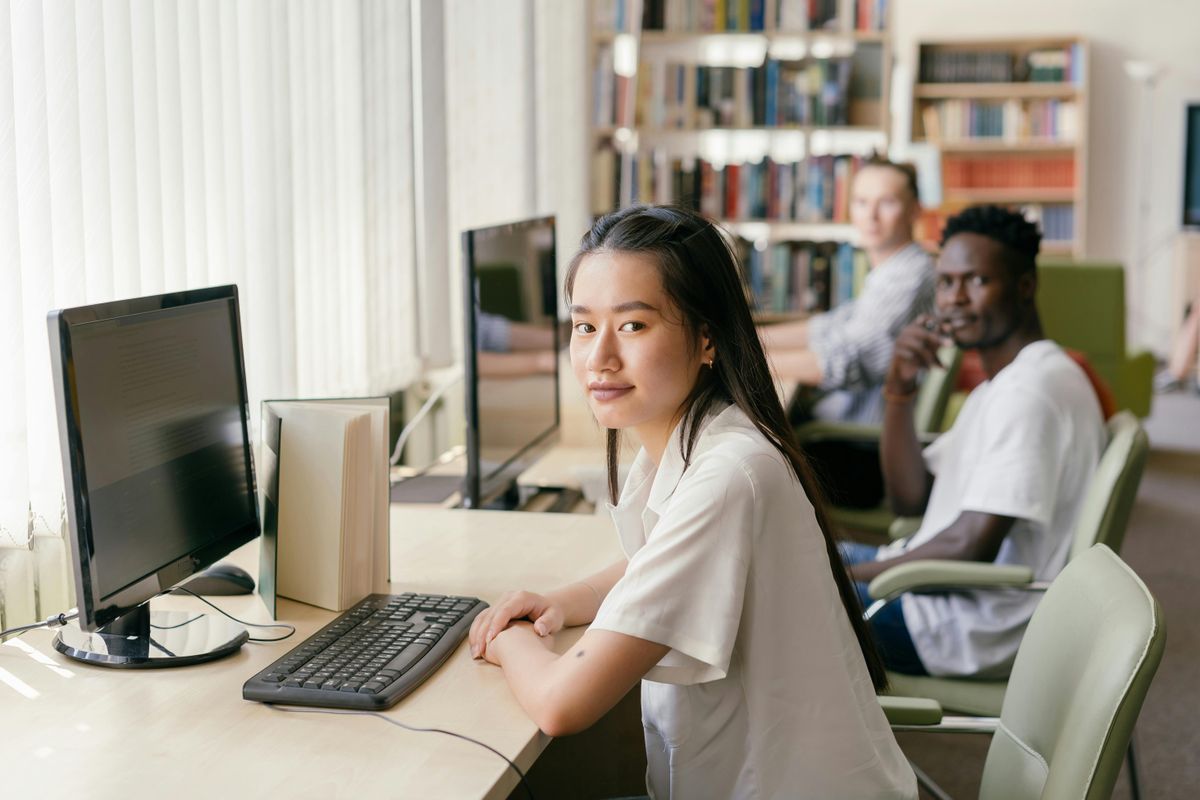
(290, 628)
(399, 724)
(52, 621)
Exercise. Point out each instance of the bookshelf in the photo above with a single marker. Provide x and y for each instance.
(756, 113)
(1009, 118)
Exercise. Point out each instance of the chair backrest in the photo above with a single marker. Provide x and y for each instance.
(935, 391)
(1106, 507)
(1078, 684)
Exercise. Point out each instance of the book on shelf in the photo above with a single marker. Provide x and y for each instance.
(1008, 172)
(675, 96)
(325, 500)
(704, 16)
(806, 15)
(609, 91)
(816, 189)
(1056, 221)
(1011, 120)
(1065, 64)
(870, 15)
(611, 16)
(606, 178)
(801, 277)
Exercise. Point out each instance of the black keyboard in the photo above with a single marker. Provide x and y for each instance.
(371, 656)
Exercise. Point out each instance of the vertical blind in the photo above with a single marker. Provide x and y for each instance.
(151, 146)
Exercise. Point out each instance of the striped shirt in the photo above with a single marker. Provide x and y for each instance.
(854, 341)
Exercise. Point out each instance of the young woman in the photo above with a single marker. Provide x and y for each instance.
(731, 605)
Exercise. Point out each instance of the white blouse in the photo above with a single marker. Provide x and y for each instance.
(764, 693)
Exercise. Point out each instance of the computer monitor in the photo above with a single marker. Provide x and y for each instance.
(511, 358)
(154, 429)
(1191, 167)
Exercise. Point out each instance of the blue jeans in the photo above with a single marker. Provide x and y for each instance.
(891, 633)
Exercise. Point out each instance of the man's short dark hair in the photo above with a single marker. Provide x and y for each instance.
(1020, 237)
(903, 167)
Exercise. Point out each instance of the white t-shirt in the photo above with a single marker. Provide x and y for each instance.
(764, 693)
(1024, 445)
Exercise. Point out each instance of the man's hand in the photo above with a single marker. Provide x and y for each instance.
(916, 349)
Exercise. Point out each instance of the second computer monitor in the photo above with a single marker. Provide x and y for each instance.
(511, 358)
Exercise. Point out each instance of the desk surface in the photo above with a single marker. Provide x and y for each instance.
(72, 730)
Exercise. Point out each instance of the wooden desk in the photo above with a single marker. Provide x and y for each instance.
(67, 729)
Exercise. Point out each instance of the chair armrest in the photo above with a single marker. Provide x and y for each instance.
(824, 431)
(911, 710)
(935, 574)
(903, 527)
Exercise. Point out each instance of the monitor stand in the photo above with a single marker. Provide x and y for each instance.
(145, 639)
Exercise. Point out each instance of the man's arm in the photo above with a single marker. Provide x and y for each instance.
(802, 366)
(908, 481)
(784, 335)
(974, 536)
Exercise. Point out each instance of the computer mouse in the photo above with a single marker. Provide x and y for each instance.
(221, 578)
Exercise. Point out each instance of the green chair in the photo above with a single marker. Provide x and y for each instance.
(928, 411)
(1103, 518)
(1082, 307)
(1076, 688)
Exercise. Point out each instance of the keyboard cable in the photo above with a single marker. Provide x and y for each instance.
(399, 724)
(515, 768)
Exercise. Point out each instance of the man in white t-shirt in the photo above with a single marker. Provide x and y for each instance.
(1005, 483)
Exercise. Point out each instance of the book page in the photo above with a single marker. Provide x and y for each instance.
(311, 498)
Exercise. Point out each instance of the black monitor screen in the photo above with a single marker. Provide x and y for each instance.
(1191, 175)
(512, 363)
(159, 430)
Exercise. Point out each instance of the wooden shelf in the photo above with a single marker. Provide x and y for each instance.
(995, 91)
(775, 317)
(656, 37)
(1009, 195)
(998, 145)
(771, 230)
(658, 133)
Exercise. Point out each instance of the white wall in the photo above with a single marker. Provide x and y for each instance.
(1166, 32)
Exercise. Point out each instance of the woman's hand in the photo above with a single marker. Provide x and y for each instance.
(494, 651)
(547, 618)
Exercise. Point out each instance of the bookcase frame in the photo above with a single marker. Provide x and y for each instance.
(686, 47)
(954, 200)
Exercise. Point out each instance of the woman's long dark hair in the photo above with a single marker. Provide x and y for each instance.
(699, 273)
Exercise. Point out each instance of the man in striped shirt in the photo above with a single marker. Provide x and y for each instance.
(845, 353)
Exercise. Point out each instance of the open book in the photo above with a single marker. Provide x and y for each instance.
(325, 501)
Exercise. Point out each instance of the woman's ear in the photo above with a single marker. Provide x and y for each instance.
(708, 348)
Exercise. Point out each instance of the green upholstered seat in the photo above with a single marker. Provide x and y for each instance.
(1076, 688)
(1082, 307)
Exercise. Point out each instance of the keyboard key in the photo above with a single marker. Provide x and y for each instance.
(408, 656)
